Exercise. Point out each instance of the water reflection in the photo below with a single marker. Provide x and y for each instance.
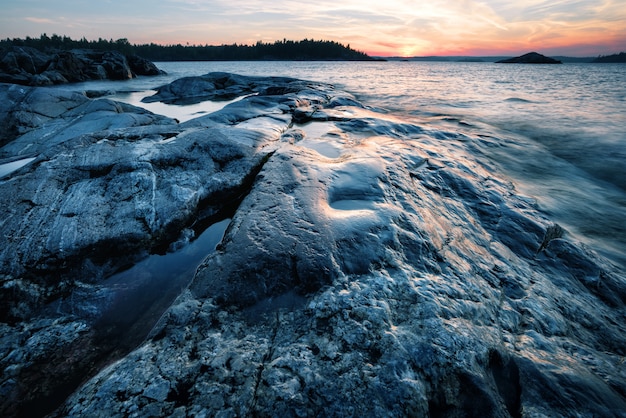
(182, 113)
(126, 306)
(8, 168)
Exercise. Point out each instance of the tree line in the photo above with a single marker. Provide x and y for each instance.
(621, 57)
(306, 49)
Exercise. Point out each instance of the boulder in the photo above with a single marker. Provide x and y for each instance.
(24, 109)
(19, 64)
(141, 66)
(223, 86)
(22, 59)
(37, 119)
(69, 66)
(530, 58)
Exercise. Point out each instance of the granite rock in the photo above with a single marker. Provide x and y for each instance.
(372, 267)
(108, 184)
(28, 66)
(379, 269)
(224, 86)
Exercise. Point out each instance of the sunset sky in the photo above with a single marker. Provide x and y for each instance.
(377, 27)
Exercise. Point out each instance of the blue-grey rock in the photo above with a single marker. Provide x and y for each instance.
(377, 270)
(108, 183)
(372, 268)
(224, 86)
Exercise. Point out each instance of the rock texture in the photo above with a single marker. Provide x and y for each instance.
(222, 86)
(28, 66)
(374, 267)
(108, 184)
(530, 58)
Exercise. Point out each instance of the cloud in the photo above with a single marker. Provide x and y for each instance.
(388, 26)
(39, 20)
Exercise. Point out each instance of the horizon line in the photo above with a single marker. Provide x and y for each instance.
(347, 45)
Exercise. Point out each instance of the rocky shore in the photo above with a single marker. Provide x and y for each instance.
(31, 67)
(371, 267)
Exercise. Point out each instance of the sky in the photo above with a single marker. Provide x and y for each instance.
(377, 27)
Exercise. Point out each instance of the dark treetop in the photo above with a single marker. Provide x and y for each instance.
(621, 57)
(280, 50)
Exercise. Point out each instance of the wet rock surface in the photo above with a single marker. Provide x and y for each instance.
(372, 267)
(223, 86)
(108, 183)
(29, 66)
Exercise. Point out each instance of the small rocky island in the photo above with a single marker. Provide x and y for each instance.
(530, 58)
(370, 266)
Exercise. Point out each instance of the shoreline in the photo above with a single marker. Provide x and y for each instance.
(365, 247)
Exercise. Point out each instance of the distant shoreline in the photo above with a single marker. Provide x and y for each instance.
(304, 50)
(489, 59)
(285, 50)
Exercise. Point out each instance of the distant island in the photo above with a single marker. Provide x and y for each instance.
(478, 59)
(530, 58)
(621, 57)
(304, 50)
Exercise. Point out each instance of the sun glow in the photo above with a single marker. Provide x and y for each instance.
(409, 51)
(393, 27)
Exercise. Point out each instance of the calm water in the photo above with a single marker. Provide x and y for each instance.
(560, 130)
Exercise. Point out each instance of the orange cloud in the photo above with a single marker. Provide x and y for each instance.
(391, 27)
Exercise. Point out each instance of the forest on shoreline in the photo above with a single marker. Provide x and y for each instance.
(304, 50)
(621, 57)
(285, 50)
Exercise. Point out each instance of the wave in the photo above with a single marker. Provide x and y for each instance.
(518, 99)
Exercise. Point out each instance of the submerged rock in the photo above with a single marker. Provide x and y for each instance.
(373, 268)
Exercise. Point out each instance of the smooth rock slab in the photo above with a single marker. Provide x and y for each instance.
(109, 184)
(398, 277)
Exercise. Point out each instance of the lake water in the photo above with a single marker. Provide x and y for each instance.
(558, 132)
